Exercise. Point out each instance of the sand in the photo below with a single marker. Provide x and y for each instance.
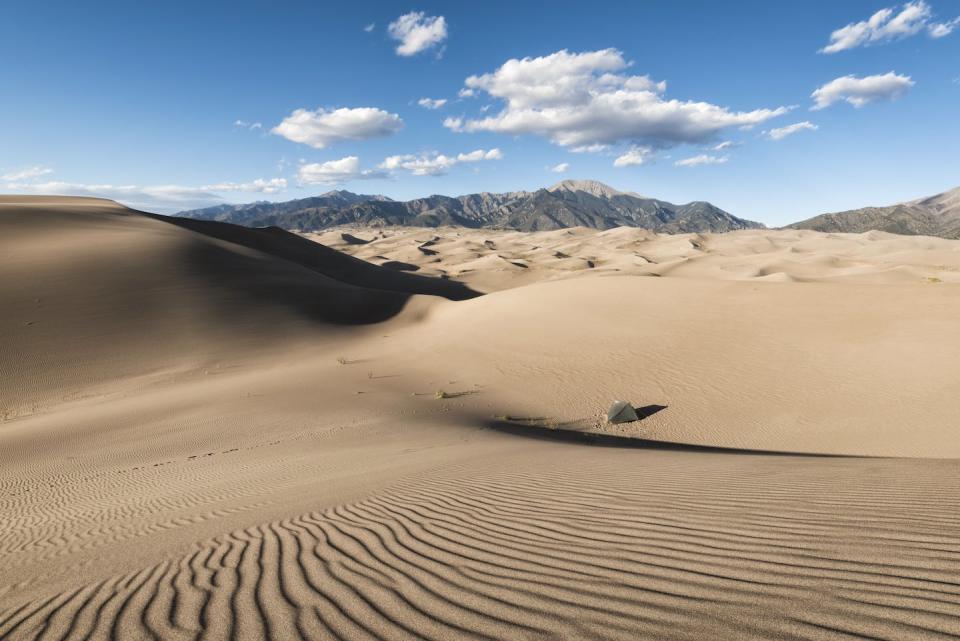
(214, 432)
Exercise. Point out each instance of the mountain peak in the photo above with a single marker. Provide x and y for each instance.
(937, 215)
(948, 200)
(592, 187)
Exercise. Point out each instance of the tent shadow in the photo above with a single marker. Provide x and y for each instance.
(648, 410)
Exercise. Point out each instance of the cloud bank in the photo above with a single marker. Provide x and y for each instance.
(27, 173)
(156, 198)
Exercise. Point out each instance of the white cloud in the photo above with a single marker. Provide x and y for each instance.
(887, 25)
(417, 32)
(582, 99)
(561, 168)
(370, 27)
(943, 29)
(432, 103)
(335, 171)
(589, 149)
(322, 128)
(726, 144)
(480, 154)
(702, 159)
(782, 132)
(27, 173)
(634, 156)
(436, 164)
(272, 186)
(243, 124)
(861, 91)
(465, 93)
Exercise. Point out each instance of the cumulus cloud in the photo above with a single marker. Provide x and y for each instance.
(322, 128)
(887, 25)
(782, 132)
(432, 103)
(561, 168)
(416, 32)
(726, 144)
(243, 124)
(581, 100)
(27, 173)
(861, 91)
(702, 159)
(634, 156)
(436, 164)
(335, 171)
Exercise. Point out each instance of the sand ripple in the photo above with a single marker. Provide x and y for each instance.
(592, 543)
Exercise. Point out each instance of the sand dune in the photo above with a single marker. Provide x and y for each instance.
(217, 432)
(489, 260)
(99, 292)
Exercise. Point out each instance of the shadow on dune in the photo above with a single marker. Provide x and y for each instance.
(528, 430)
(250, 290)
(322, 259)
(289, 271)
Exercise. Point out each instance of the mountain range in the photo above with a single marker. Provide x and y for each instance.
(569, 203)
(933, 216)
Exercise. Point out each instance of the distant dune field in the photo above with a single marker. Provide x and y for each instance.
(210, 431)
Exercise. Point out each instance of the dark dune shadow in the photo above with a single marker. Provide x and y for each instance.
(324, 260)
(250, 289)
(562, 435)
(401, 266)
(350, 239)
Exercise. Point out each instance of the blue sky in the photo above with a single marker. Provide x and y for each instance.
(173, 105)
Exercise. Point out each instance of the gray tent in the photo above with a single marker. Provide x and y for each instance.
(621, 412)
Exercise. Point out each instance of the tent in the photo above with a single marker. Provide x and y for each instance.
(621, 412)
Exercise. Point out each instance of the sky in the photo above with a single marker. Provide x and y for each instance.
(772, 111)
